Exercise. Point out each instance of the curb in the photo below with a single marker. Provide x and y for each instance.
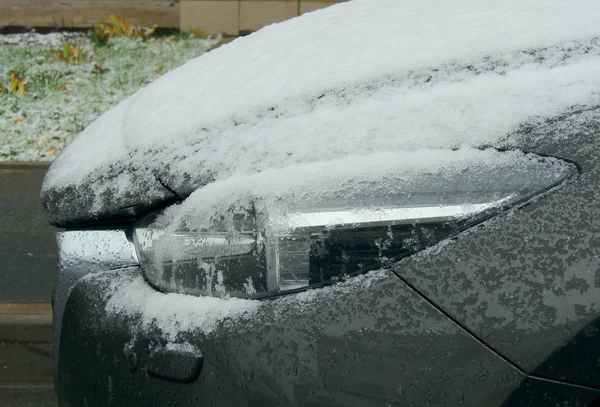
(24, 164)
(27, 396)
(25, 344)
(26, 322)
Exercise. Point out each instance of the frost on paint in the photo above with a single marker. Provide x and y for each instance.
(443, 78)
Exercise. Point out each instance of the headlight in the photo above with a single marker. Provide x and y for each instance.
(283, 231)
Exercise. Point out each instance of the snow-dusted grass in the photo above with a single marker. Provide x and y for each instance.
(61, 98)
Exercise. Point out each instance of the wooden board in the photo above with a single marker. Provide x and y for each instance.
(73, 13)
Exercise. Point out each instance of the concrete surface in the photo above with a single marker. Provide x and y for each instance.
(25, 364)
(27, 273)
(27, 241)
(26, 355)
(27, 396)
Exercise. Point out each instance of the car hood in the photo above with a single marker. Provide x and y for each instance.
(355, 79)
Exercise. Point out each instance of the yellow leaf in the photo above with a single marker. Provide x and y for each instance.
(198, 33)
(122, 27)
(17, 121)
(50, 151)
(116, 26)
(57, 129)
(13, 82)
(17, 84)
(158, 69)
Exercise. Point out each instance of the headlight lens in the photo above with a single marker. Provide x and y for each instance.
(260, 247)
(316, 247)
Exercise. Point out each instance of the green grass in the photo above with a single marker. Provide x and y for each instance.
(64, 95)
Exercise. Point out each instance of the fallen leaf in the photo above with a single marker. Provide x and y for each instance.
(13, 82)
(158, 69)
(57, 129)
(17, 121)
(199, 33)
(17, 83)
(50, 151)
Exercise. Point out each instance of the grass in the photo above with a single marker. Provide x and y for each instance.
(67, 83)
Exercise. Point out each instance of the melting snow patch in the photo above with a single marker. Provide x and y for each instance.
(171, 313)
(129, 294)
(183, 347)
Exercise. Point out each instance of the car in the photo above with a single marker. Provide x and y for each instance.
(379, 203)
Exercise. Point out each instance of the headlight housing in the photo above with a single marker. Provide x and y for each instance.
(291, 229)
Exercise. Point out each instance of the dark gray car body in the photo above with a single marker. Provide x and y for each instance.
(507, 313)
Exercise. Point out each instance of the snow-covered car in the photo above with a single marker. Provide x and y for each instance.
(380, 203)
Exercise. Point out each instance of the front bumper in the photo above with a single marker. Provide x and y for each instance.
(370, 341)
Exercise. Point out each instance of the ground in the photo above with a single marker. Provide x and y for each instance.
(52, 86)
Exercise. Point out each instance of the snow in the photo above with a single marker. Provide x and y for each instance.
(34, 38)
(406, 179)
(403, 186)
(328, 105)
(62, 98)
(184, 347)
(129, 294)
(395, 76)
(171, 313)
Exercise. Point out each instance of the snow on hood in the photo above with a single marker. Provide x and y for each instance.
(358, 78)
